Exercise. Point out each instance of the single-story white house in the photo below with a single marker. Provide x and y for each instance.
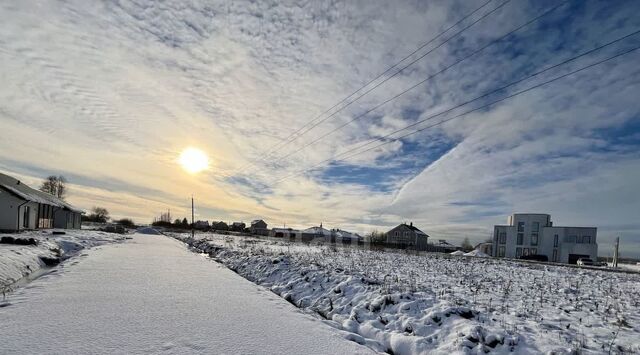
(24, 208)
(287, 233)
(341, 236)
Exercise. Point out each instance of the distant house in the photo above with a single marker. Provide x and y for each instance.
(219, 226)
(22, 207)
(407, 236)
(442, 246)
(286, 233)
(201, 225)
(315, 233)
(341, 236)
(529, 234)
(486, 247)
(237, 226)
(259, 227)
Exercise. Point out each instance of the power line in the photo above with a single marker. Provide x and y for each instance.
(425, 80)
(269, 151)
(288, 140)
(494, 91)
(472, 110)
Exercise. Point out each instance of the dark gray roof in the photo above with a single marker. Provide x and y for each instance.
(411, 227)
(26, 193)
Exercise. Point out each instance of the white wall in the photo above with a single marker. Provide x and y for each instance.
(546, 236)
(8, 211)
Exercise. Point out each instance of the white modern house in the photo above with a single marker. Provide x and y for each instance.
(24, 208)
(534, 234)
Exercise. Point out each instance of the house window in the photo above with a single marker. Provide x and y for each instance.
(555, 241)
(501, 251)
(586, 239)
(525, 251)
(536, 227)
(555, 255)
(534, 251)
(503, 237)
(520, 238)
(520, 226)
(518, 252)
(397, 234)
(25, 217)
(534, 238)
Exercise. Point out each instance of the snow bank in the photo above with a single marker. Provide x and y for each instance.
(458, 253)
(407, 304)
(477, 253)
(19, 261)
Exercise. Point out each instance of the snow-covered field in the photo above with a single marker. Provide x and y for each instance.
(406, 304)
(630, 267)
(21, 261)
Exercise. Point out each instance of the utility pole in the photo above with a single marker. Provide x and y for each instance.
(615, 254)
(192, 222)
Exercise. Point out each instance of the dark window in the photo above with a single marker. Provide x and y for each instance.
(555, 241)
(503, 237)
(525, 251)
(520, 238)
(536, 227)
(501, 251)
(520, 226)
(586, 239)
(518, 252)
(534, 238)
(534, 251)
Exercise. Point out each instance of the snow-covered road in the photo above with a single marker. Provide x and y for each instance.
(152, 295)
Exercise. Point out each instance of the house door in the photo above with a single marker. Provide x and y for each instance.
(25, 217)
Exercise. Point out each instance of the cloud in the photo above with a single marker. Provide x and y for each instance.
(110, 93)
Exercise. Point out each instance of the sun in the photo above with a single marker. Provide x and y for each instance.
(193, 160)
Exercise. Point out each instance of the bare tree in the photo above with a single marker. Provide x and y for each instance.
(377, 237)
(62, 187)
(98, 214)
(55, 186)
(466, 245)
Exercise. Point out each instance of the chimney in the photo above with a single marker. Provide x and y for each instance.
(411, 224)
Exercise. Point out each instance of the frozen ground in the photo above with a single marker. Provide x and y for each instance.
(630, 267)
(408, 304)
(151, 295)
(21, 261)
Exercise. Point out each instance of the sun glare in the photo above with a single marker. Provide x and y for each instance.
(193, 160)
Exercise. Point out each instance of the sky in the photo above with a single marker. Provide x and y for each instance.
(109, 93)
